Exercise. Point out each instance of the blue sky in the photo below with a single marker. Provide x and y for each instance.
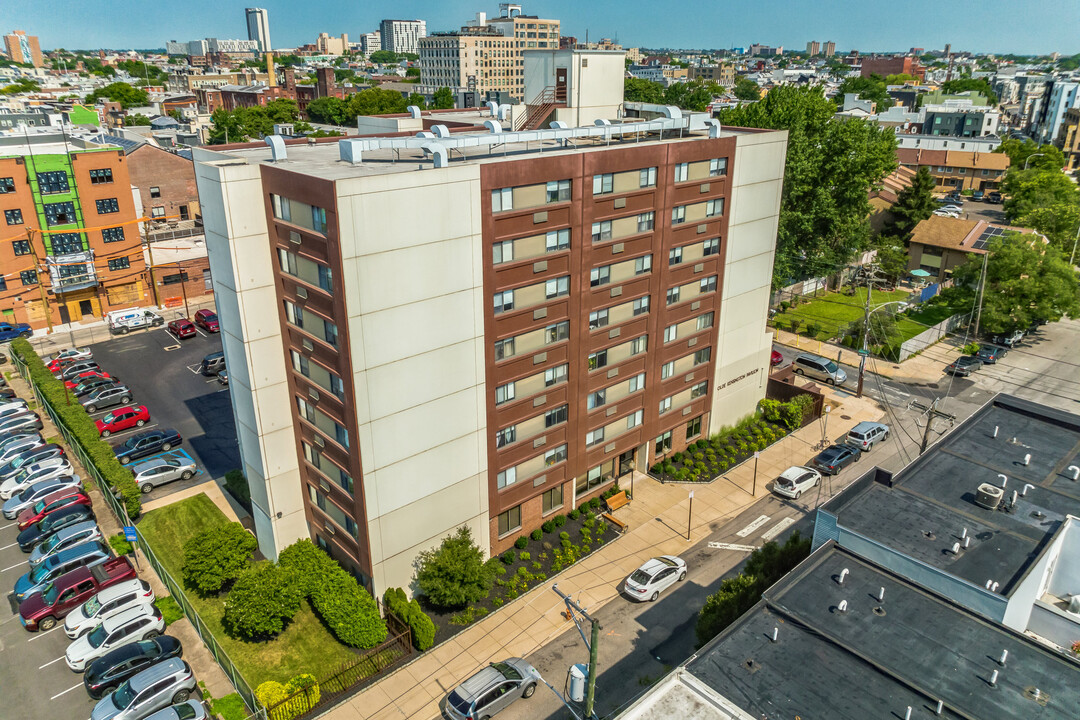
(1027, 26)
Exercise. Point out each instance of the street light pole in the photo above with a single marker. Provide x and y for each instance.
(1031, 156)
(982, 285)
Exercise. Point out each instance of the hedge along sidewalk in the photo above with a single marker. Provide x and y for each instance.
(521, 627)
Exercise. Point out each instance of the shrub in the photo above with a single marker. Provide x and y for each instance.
(508, 557)
(536, 565)
(594, 503)
(574, 514)
(565, 535)
(214, 557)
(589, 522)
(119, 545)
(348, 610)
(699, 456)
(454, 574)
(548, 527)
(169, 608)
(521, 542)
(409, 611)
(677, 457)
(237, 484)
(970, 349)
(784, 305)
(270, 693)
(559, 520)
(655, 469)
(306, 683)
(669, 467)
(262, 600)
(537, 534)
(524, 556)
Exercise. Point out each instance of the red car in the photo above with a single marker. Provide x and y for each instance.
(59, 363)
(122, 419)
(41, 610)
(59, 500)
(182, 328)
(777, 358)
(88, 375)
(207, 320)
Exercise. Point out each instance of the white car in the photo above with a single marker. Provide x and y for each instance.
(44, 470)
(952, 208)
(796, 480)
(17, 503)
(76, 353)
(13, 407)
(19, 444)
(110, 601)
(947, 213)
(141, 622)
(656, 575)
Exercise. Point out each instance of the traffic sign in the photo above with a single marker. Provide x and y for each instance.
(864, 352)
(129, 533)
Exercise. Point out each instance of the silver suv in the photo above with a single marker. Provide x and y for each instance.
(158, 686)
(491, 690)
(866, 435)
(819, 368)
(107, 397)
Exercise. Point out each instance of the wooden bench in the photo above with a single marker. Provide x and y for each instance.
(617, 500)
(616, 522)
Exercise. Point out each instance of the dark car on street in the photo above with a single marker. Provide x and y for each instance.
(978, 195)
(106, 673)
(964, 365)
(990, 354)
(55, 522)
(994, 198)
(832, 460)
(146, 443)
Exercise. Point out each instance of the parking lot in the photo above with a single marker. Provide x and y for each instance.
(163, 374)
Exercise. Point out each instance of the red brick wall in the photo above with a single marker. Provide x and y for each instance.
(173, 175)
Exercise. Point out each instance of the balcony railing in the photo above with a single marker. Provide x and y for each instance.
(71, 272)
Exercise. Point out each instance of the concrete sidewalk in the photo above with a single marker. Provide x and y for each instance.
(658, 518)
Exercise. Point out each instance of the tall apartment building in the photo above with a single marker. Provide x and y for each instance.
(722, 74)
(813, 48)
(418, 345)
(1059, 97)
(258, 27)
(371, 42)
(402, 36)
(486, 56)
(69, 240)
(23, 48)
(830, 48)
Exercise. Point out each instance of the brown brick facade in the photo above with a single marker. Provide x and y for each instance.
(166, 183)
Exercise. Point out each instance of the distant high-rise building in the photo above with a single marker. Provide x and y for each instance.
(813, 48)
(948, 50)
(258, 24)
(830, 48)
(23, 48)
(402, 36)
(371, 42)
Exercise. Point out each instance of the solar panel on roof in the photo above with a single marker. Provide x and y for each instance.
(987, 235)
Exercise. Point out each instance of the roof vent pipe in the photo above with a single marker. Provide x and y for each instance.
(493, 107)
(414, 112)
(439, 157)
(670, 111)
(967, 542)
(940, 707)
(504, 111)
(1075, 470)
(775, 633)
(963, 535)
(1014, 497)
(989, 583)
(907, 714)
(277, 147)
(993, 679)
(558, 125)
(881, 595)
(601, 121)
(994, 587)
(440, 131)
(1003, 658)
(995, 430)
(956, 548)
(1027, 459)
(493, 126)
(1004, 480)
(425, 134)
(350, 151)
(843, 576)
(842, 607)
(714, 128)
(1027, 486)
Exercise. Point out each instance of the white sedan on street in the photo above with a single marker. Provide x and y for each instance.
(796, 480)
(654, 576)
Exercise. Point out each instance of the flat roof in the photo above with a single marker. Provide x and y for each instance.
(925, 508)
(876, 658)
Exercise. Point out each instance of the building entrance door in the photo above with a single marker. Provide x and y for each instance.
(626, 463)
(560, 84)
(86, 308)
(65, 316)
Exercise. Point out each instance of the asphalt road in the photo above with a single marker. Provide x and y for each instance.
(162, 373)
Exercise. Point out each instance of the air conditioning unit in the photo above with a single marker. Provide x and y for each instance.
(989, 496)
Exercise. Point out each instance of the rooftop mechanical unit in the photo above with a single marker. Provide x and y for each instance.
(989, 496)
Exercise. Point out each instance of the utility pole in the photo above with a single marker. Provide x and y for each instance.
(41, 286)
(982, 285)
(150, 257)
(932, 413)
(870, 277)
(593, 644)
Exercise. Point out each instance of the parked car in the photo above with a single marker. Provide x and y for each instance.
(30, 457)
(89, 385)
(207, 320)
(10, 332)
(146, 443)
(70, 591)
(777, 358)
(947, 213)
(88, 375)
(116, 597)
(23, 422)
(124, 321)
(107, 672)
(954, 198)
(107, 397)
(7, 393)
(952, 208)
(122, 419)
(72, 369)
(978, 195)
(16, 444)
(53, 524)
(54, 502)
(1009, 339)
(190, 710)
(13, 407)
(74, 353)
(867, 434)
(223, 376)
(796, 480)
(163, 468)
(835, 458)
(492, 689)
(994, 197)
(990, 354)
(154, 688)
(656, 575)
(59, 363)
(142, 622)
(964, 365)
(35, 473)
(820, 368)
(14, 505)
(182, 328)
(35, 580)
(212, 363)
(64, 538)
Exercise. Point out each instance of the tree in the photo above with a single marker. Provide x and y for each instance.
(261, 601)
(693, 95)
(747, 89)
(640, 90)
(1026, 281)
(443, 99)
(980, 85)
(1033, 189)
(413, 72)
(454, 574)
(244, 124)
(1046, 157)
(829, 171)
(418, 100)
(1058, 222)
(375, 101)
(385, 57)
(892, 259)
(914, 204)
(868, 88)
(135, 120)
(899, 79)
(216, 556)
(20, 86)
(329, 110)
(122, 93)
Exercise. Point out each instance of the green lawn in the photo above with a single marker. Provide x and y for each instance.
(306, 646)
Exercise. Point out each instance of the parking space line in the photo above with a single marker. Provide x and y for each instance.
(195, 368)
(200, 331)
(7, 546)
(777, 529)
(43, 634)
(66, 691)
(147, 426)
(5, 527)
(761, 520)
(40, 667)
(24, 562)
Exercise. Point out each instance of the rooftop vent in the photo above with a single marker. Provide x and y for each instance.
(277, 147)
(988, 496)
(414, 112)
(1074, 604)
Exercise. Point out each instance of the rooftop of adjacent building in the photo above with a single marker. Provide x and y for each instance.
(49, 141)
(960, 234)
(953, 158)
(875, 658)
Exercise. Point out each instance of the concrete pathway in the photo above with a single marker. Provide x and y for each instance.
(658, 519)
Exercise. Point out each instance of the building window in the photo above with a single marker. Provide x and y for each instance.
(319, 375)
(647, 178)
(157, 212)
(678, 215)
(66, 243)
(594, 436)
(558, 191)
(698, 390)
(636, 383)
(632, 421)
(504, 393)
(711, 247)
(714, 208)
(155, 192)
(598, 319)
(643, 265)
(29, 277)
(557, 287)
(7, 185)
(502, 252)
(339, 516)
(665, 405)
(667, 370)
(693, 427)
(600, 276)
(502, 199)
(646, 222)
(175, 278)
(107, 206)
(104, 176)
(504, 348)
(309, 271)
(312, 323)
(61, 213)
(54, 181)
(318, 219)
(682, 171)
(673, 295)
(556, 416)
(21, 247)
(639, 345)
(504, 301)
(558, 240)
(282, 209)
(328, 468)
(13, 217)
(505, 437)
(555, 375)
(323, 422)
(598, 360)
(557, 332)
(552, 499)
(555, 455)
(509, 520)
(704, 320)
(114, 234)
(603, 184)
(703, 356)
(601, 231)
(596, 399)
(121, 263)
(708, 284)
(717, 167)
(641, 305)
(674, 256)
(663, 444)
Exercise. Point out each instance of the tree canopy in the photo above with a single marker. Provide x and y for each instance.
(747, 89)
(694, 95)
(387, 57)
(1042, 157)
(831, 167)
(122, 93)
(373, 101)
(443, 99)
(245, 124)
(914, 204)
(868, 88)
(979, 85)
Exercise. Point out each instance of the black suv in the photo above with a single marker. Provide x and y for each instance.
(106, 673)
(833, 459)
(146, 443)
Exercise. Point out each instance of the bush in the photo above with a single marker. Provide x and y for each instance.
(237, 484)
(574, 514)
(548, 527)
(537, 534)
(508, 557)
(565, 535)
(970, 349)
(559, 520)
(594, 503)
(784, 306)
(524, 556)
(169, 608)
(454, 574)
(214, 557)
(306, 683)
(270, 693)
(521, 542)
(348, 610)
(409, 611)
(262, 601)
(119, 545)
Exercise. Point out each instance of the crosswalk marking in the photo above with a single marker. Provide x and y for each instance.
(753, 526)
(778, 528)
(731, 546)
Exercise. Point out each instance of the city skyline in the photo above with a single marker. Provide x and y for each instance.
(850, 24)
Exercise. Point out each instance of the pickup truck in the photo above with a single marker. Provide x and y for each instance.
(41, 610)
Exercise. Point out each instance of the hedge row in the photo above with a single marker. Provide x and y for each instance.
(74, 418)
(422, 626)
(347, 608)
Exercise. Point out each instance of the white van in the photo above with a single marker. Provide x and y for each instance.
(124, 321)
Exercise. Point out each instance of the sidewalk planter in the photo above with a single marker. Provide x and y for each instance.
(708, 459)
